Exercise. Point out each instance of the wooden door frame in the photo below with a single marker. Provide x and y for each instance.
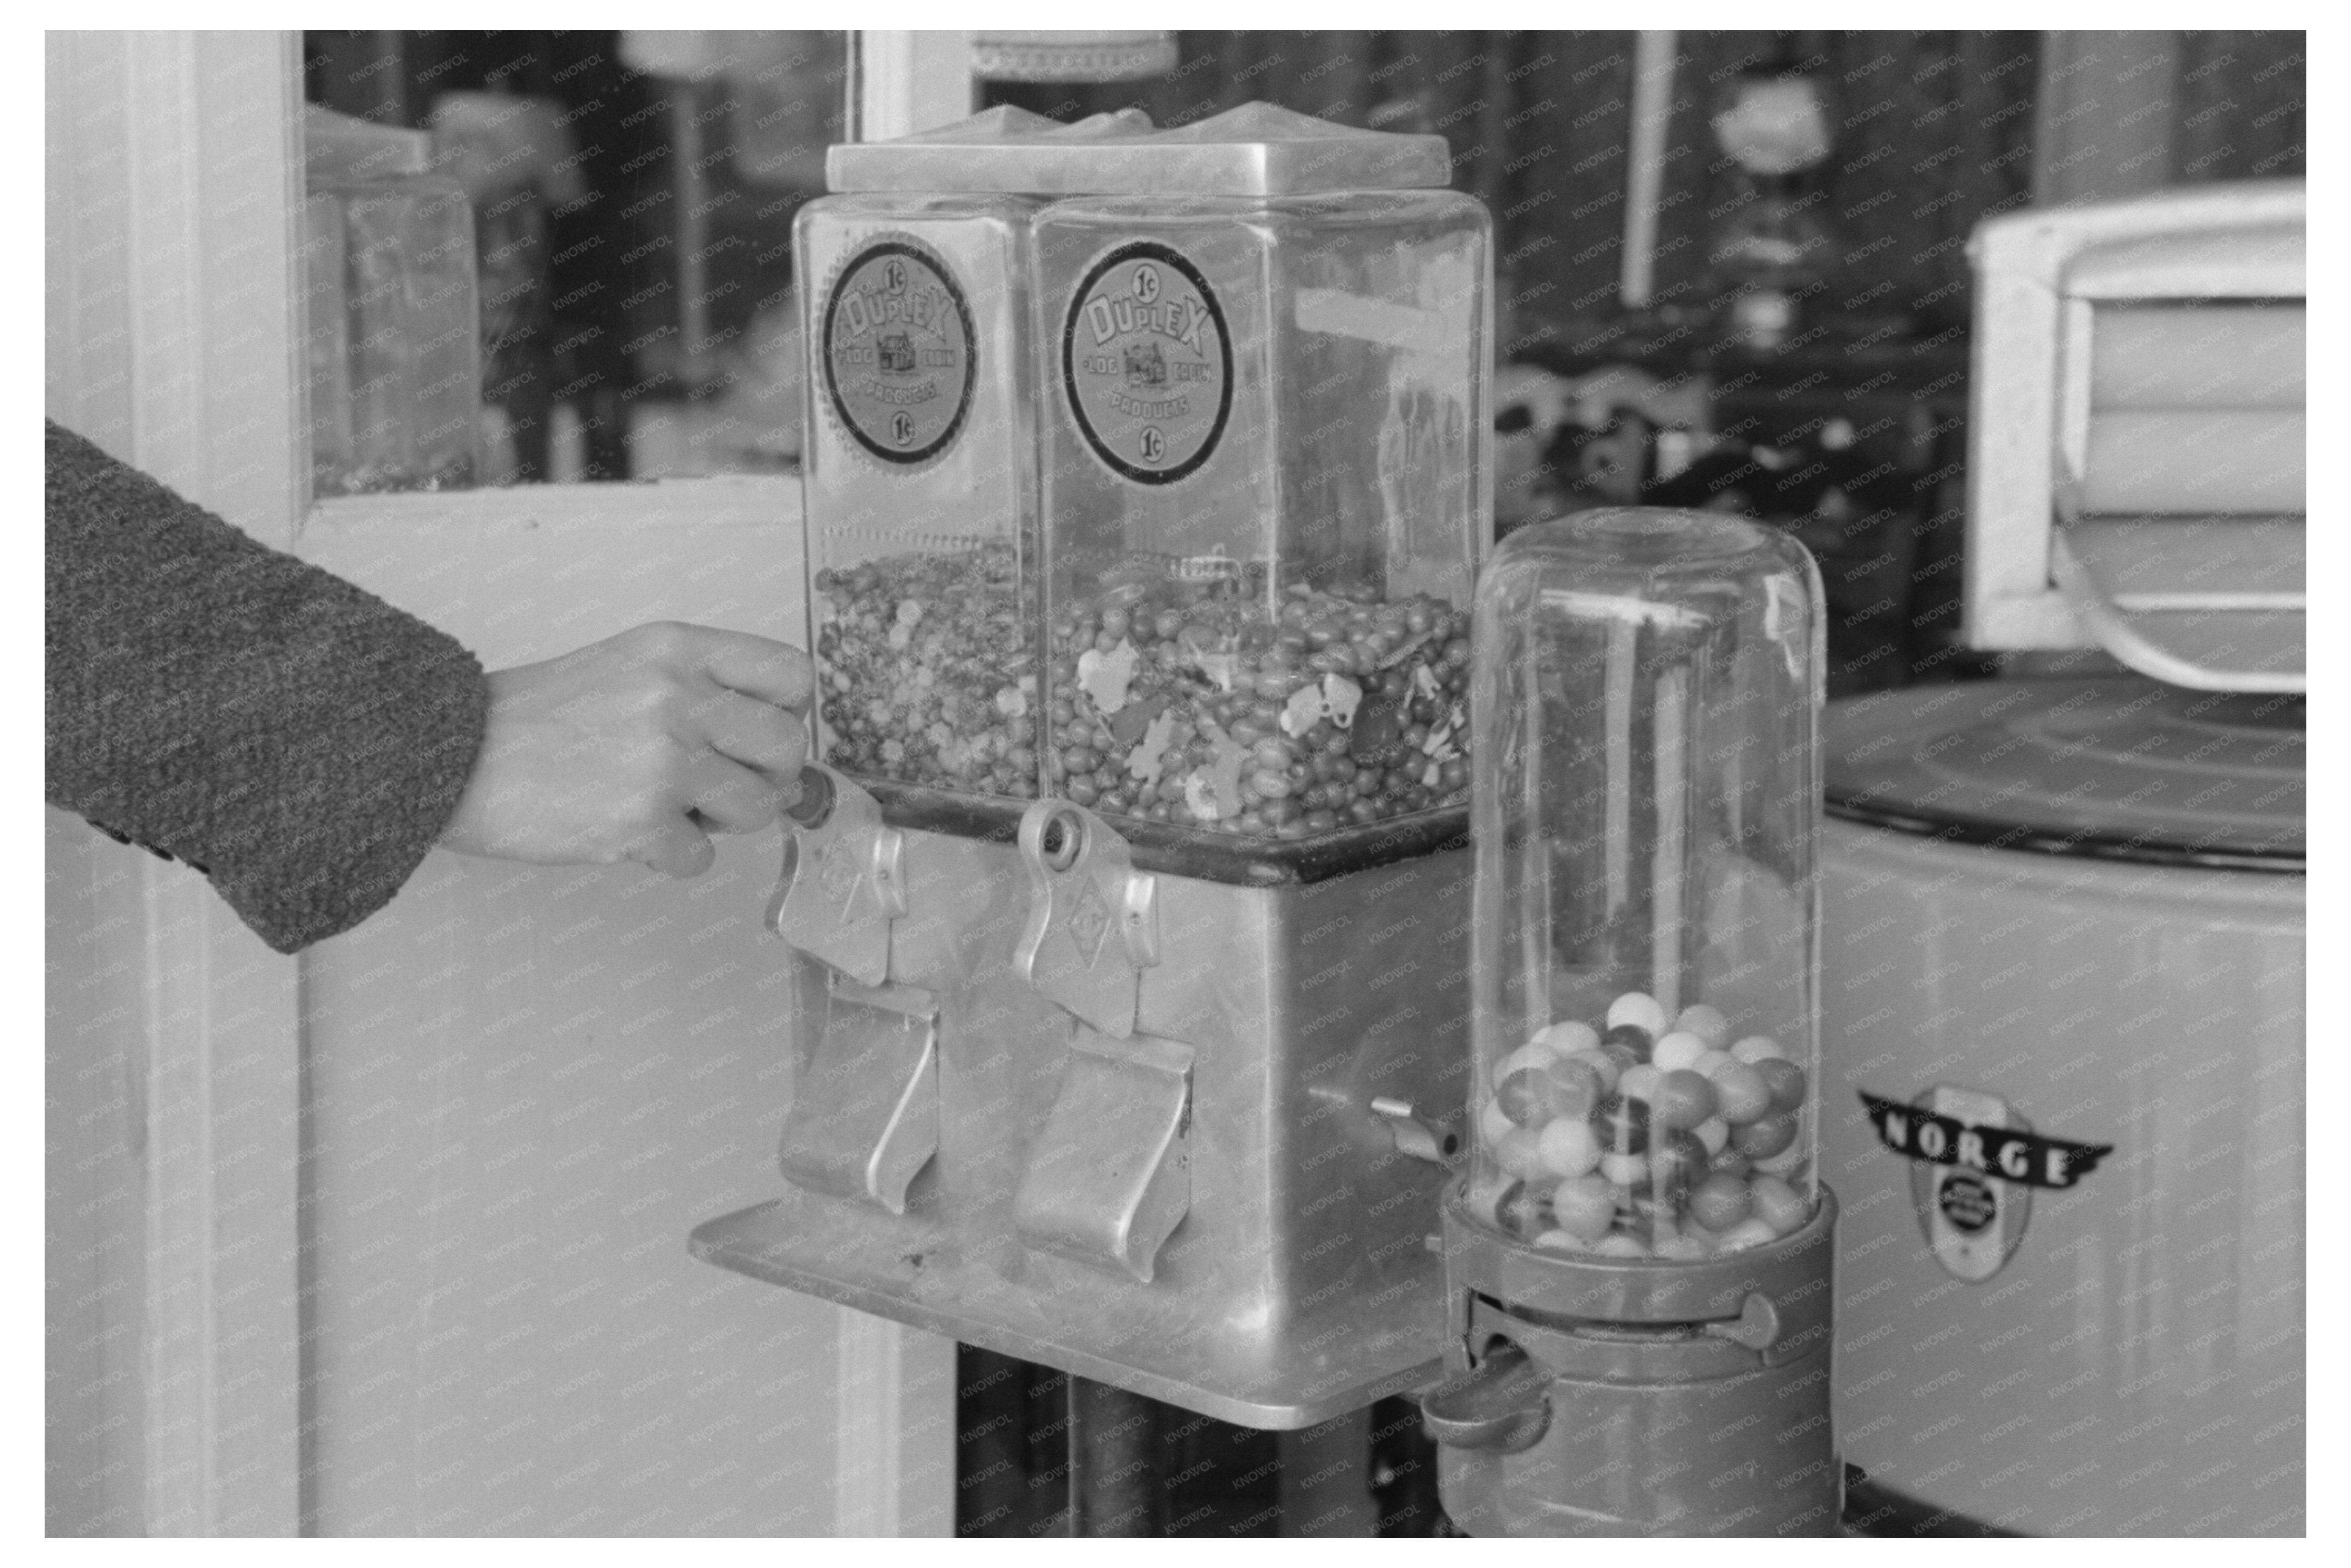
(173, 323)
(171, 342)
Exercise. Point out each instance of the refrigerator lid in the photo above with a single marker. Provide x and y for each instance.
(1255, 150)
(2115, 769)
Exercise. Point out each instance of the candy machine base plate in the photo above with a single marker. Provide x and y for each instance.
(1212, 1365)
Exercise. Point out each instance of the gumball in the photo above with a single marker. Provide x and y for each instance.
(1535, 1095)
(1682, 1099)
(1741, 1095)
(1778, 1205)
(1494, 1124)
(1618, 1245)
(1711, 1062)
(1785, 1080)
(1532, 1054)
(1624, 1170)
(1568, 1037)
(1578, 1087)
(1520, 1208)
(1730, 1162)
(1640, 1082)
(1584, 1206)
(1557, 1240)
(1715, 1133)
(1762, 1140)
(1629, 1042)
(1788, 1161)
(1748, 1232)
(1623, 1125)
(1676, 1050)
(1706, 1022)
(1682, 1247)
(1757, 1047)
(1605, 1066)
(1484, 1201)
(1569, 1147)
(1637, 1008)
(1676, 1165)
(1519, 1152)
(1720, 1201)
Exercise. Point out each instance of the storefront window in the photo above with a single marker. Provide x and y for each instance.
(629, 198)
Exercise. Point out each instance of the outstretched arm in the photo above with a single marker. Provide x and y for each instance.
(305, 743)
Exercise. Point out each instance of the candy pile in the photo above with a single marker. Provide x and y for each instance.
(927, 670)
(1183, 702)
(1176, 698)
(1645, 1140)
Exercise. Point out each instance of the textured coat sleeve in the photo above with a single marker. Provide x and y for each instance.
(295, 738)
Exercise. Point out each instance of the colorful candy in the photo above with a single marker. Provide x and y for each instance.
(1707, 1023)
(1740, 1093)
(1567, 1038)
(1190, 699)
(1569, 1146)
(1584, 1206)
(1638, 1009)
(1645, 1137)
(1679, 1049)
(1683, 1100)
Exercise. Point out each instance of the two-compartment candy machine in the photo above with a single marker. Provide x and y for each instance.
(1639, 1256)
(1145, 494)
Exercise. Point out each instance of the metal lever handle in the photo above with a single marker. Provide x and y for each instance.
(1503, 1404)
(1416, 1134)
(1757, 1326)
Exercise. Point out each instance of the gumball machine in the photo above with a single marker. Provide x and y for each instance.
(1638, 1254)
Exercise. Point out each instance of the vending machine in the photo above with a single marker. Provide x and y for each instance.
(1640, 1256)
(1127, 919)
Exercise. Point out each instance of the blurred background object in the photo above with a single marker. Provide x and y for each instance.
(1772, 125)
(634, 193)
(513, 156)
(1071, 57)
(394, 384)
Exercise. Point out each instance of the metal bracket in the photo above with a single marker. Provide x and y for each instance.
(1093, 920)
(864, 1118)
(842, 884)
(1110, 1175)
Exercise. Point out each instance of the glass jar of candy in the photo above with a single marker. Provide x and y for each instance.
(1264, 501)
(920, 486)
(1645, 703)
(1147, 468)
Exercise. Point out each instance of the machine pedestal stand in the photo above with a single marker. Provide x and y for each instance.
(1114, 1487)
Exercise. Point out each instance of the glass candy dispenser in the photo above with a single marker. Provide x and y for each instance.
(1262, 496)
(921, 475)
(1641, 1245)
(1146, 490)
(1244, 400)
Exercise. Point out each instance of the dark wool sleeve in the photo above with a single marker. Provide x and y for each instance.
(298, 740)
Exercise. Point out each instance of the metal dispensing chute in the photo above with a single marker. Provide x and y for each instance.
(1145, 494)
(1638, 1258)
